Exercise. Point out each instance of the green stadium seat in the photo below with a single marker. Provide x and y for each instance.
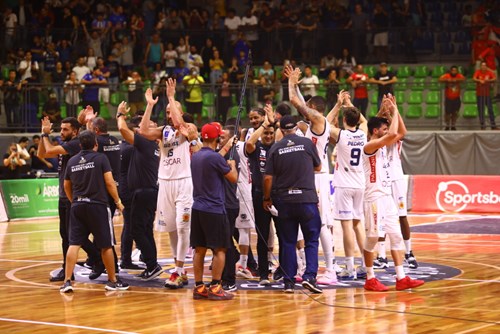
(116, 98)
(470, 111)
(401, 85)
(434, 84)
(469, 97)
(373, 111)
(432, 111)
(432, 97)
(417, 84)
(314, 70)
(204, 112)
(438, 71)
(421, 71)
(414, 111)
(5, 72)
(104, 113)
(370, 70)
(233, 112)
(374, 98)
(64, 113)
(208, 99)
(414, 97)
(470, 84)
(400, 96)
(403, 72)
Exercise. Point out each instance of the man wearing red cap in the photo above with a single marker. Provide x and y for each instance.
(209, 224)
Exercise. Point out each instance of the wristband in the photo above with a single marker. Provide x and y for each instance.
(44, 135)
(119, 114)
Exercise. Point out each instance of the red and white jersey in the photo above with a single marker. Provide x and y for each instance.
(321, 141)
(394, 155)
(349, 172)
(244, 177)
(377, 175)
(175, 156)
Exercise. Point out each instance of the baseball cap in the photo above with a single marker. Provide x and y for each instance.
(288, 122)
(211, 130)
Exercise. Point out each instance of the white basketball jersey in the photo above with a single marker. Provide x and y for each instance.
(321, 141)
(394, 154)
(349, 171)
(377, 175)
(250, 131)
(244, 177)
(175, 157)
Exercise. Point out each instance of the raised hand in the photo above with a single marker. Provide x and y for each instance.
(171, 84)
(149, 97)
(46, 125)
(268, 108)
(122, 108)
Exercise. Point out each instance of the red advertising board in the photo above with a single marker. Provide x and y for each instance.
(456, 193)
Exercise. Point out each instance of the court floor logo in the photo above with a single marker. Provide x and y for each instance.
(454, 196)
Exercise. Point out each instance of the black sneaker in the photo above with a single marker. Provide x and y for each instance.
(97, 271)
(229, 287)
(85, 264)
(411, 260)
(310, 284)
(130, 266)
(115, 286)
(278, 274)
(380, 263)
(66, 287)
(289, 287)
(60, 276)
(148, 275)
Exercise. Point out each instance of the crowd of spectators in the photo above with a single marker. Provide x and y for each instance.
(84, 50)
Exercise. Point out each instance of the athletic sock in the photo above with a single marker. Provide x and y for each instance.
(407, 246)
(349, 261)
(179, 270)
(400, 272)
(369, 273)
(381, 250)
(244, 261)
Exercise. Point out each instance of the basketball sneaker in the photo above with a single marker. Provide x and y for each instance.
(185, 279)
(117, 285)
(216, 292)
(347, 275)
(175, 281)
(336, 267)
(408, 283)
(243, 273)
(411, 260)
(361, 272)
(310, 284)
(374, 284)
(200, 292)
(229, 287)
(148, 275)
(66, 287)
(328, 278)
(289, 287)
(264, 281)
(380, 263)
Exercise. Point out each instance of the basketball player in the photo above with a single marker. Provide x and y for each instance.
(175, 195)
(379, 208)
(319, 132)
(349, 179)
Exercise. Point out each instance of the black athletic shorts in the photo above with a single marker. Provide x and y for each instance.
(87, 218)
(194, 107)
(452, 106)
(209, 230)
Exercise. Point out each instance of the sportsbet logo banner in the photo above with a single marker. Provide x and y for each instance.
(443, 193)
(31, 198)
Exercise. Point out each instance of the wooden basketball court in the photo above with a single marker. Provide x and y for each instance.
(468, 303)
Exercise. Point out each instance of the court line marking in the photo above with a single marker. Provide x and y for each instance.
(475, 329)
(28, 232)
(65, 325)
(472, 280)
(34, 261)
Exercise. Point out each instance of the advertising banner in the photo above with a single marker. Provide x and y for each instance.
(456, 193)
(31, 198)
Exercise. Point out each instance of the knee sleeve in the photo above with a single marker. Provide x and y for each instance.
(370, 244)
(396, 241)
(244, 236)
(183, 243)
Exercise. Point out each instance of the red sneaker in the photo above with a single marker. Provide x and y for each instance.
(216, 292)
(408, 283)
(374, 284)
(200, 292)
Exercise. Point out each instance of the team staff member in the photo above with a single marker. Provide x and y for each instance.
(256, 148)
(384, 79)
(290, 168)
(209, 224)
(452, 100)
(142, 181)
(87, 182)
(69, 147)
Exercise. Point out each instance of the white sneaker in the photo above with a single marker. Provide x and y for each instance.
(328, 278)
(336, 267)
(361, 272)
(346, 275)
(243, 273)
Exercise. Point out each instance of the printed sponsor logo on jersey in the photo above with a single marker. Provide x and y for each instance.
(286, 150)
(373, 168)
(454, 196)
(82, 166)
(82, 160)
(112, 148)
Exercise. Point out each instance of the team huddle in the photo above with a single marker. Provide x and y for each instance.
(210, 189)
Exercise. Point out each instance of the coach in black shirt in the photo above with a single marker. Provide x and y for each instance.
(142, 182)
(87, 182)
(69, 147)
(290, 167)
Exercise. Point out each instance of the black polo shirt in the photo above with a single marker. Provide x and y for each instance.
(144, 162)
(110, 146)
(257, 160)
(384, 89)
(230, 188)
(291, 162)
(86, 171)
(72, 147)
(126, 151)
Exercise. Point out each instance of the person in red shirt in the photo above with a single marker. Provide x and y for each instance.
(358, 81)
(452, 101)
(484, 79)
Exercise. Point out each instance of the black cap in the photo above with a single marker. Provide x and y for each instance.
(287, 122)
